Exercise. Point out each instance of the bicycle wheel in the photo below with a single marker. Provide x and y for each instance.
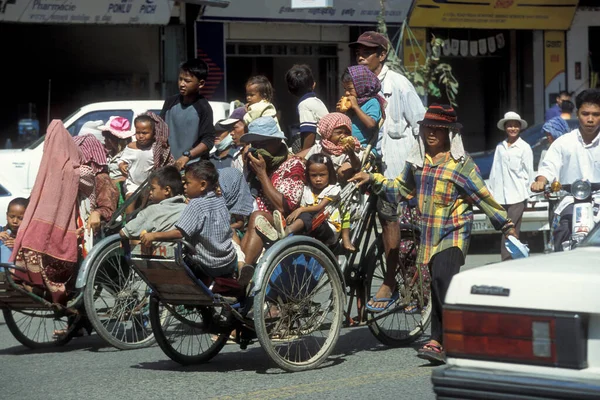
(35, 328)
(181, 333)
(299, 310)
(116, 301)
(407, 319)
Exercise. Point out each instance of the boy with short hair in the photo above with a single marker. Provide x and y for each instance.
(168, 202)
(205, 223)
(189, 115)
(14, 217)
(311, 109)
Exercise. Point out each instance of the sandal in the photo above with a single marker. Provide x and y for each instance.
(434, 353)
(279, 224)
(245, 275)
(264, 227)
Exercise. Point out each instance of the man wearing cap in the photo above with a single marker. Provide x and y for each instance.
(226, 150)
(397, 136)
(446, 183)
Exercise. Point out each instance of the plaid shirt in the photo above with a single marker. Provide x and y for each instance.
(446, 192)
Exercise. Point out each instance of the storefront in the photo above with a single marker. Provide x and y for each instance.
(61, 55)
(267, 37)
(583, 49)
(506, 55)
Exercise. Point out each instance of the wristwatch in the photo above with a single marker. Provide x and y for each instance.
(187, 154)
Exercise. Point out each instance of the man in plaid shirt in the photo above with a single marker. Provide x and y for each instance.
(446, 183)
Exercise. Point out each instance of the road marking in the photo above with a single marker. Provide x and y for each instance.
(328, 385)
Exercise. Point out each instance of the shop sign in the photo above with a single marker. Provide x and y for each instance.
(311, 3)
(554, 65)
(415, 47)
(150, 12)
(494, 14)
(353, 12)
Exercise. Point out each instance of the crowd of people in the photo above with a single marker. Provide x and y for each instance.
(232, 187)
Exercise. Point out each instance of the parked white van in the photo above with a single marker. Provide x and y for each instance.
(18, 168)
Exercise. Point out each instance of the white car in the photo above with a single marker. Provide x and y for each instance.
(525, 329)
(18, 168)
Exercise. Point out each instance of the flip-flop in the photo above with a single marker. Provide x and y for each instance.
(433, 353)
(279, 224)
(264, 227)
(390, 301)
(246, 274)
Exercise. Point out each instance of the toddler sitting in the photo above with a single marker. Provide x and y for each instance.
(259, 95)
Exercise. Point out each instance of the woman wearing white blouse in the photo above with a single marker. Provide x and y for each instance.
(512, 172)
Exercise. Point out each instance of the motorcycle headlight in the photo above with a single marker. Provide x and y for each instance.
(581, 190)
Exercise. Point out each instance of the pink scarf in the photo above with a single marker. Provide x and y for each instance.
(161, 148)
(48, 226)
(326, 126)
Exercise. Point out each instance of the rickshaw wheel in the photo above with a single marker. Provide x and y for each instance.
(407, 319)
(298, 311)
(35, 328)
(181, 333)
(116, 301)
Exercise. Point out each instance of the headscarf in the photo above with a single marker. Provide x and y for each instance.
(327, 124)
(48, 226)
(236, 191)
(367, 86)
(556, 127)
(160, 147)
(92, 152)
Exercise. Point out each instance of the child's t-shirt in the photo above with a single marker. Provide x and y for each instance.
(5, 252)
(140, 164)
(373, 109)
(160, 217)
(205, 224)
(310, 110)
(330, 193)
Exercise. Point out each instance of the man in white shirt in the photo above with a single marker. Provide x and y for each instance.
(396, 138)
(575, 155)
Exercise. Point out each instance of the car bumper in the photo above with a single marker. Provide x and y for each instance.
(453, 382)
(532, 221)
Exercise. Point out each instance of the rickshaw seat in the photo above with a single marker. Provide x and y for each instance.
(14, 298)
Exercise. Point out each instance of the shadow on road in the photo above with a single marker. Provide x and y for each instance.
(90, 343)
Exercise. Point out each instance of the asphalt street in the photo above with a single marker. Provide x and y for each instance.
(86, 368)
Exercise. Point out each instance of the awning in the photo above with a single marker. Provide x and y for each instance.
(348, 12)
(494, 14)
(125, 12)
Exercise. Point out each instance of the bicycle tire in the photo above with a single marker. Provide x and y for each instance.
(21, 331)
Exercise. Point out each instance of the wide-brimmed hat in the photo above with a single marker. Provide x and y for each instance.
(262, 128)
(235, 116)
(119, 127)
(441, 116)
(511, 116)
(371, 39)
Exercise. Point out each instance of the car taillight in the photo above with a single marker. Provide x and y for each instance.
(508, 335)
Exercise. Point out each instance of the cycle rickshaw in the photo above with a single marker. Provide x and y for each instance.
(297, 303)
(107, 293)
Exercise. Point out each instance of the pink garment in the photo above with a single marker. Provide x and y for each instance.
(161, 148)
(48, 226)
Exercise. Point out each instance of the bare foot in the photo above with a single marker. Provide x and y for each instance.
(384, 292)
(348, 246)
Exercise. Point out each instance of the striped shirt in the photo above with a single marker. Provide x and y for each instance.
(445, 191)
(310, 110)
(205, 224)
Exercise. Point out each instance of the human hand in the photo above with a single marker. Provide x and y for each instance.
(293, 216)
(124, 168)
(360, 178)
(4, 236)
(181, 161)
(94, 221)
(354, 102)
(347, 145)
(258, 165)
(10, 242)
(147, 238)
(539, 185)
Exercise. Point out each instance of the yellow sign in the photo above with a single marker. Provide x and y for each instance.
(554, 55)
(494, 14)
(413, 39)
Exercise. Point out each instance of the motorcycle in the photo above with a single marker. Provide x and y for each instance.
(585, 198)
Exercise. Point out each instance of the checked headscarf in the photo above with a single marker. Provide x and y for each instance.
(366, 85)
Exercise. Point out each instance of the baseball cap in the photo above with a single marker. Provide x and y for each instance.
(371, 39)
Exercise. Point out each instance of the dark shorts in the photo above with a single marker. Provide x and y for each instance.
(386, 210)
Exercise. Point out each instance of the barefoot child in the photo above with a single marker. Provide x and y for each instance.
(14, 217)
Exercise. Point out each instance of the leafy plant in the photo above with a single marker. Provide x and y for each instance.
(429, 78)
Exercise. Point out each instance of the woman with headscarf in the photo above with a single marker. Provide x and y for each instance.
(363, 103)
(72, 193)
(446, 183)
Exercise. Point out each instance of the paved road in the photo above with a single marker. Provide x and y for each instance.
(87, 369)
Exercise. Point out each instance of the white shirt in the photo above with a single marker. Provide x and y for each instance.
(331, 191)
(400, 129)
(310, 110)
(140, 164)
(569, 159)
(512, 172)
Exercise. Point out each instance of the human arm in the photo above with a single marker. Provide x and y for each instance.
(550, 168)
(393, 190)
(107, 197)
(146, 238)
(528, 162)
(238, 222)
(206, 134)
(315, 208)
(349, 149)
(365, 118)
(413, 109)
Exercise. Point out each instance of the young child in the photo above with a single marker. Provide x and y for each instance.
(337, 143)
(205, 224)
(362, 103)
(168, 202)
(321, 189)
(259, 95)
(117, 135)
(189, 115)
(14, 217)
(311, 109)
